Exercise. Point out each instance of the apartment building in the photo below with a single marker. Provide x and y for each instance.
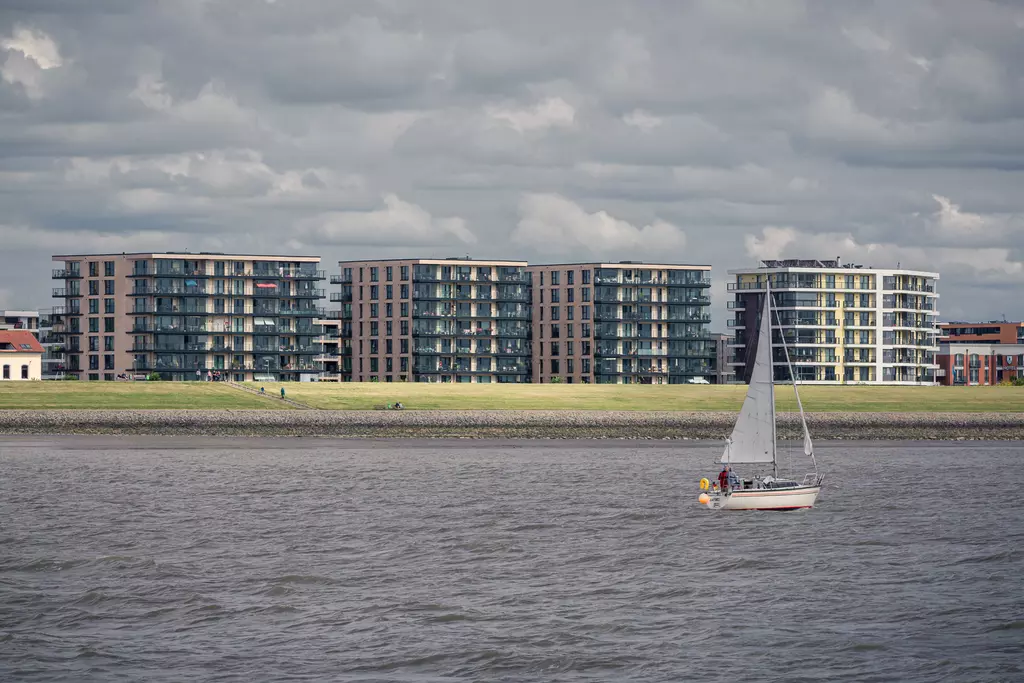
(979, 363)
(20, 320)
(435, 320)
(183, 315)
(992, 332)
(842, 324)
(329, 346)
(621, 323)
(724, 372)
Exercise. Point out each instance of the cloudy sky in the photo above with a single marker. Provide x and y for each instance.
(704, 131)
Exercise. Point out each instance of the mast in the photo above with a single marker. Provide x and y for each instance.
(771, 365)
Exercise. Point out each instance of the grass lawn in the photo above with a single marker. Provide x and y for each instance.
(653, 397)
(127, 395)
(365, 396)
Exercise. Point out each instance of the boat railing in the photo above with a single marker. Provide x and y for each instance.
(811, 479)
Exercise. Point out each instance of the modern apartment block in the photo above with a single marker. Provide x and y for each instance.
(724, 371)
(843, 324)
(20, 320)
(435, 320)
(178, 314)
(329, 347)
(621, 323)
(993, 332)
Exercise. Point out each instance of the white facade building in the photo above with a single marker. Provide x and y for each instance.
(842, 324)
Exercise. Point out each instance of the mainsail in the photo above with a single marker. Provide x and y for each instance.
(753, 437)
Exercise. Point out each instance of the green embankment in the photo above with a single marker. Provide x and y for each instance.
(366, 396)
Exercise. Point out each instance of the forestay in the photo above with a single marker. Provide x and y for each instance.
(753, 437)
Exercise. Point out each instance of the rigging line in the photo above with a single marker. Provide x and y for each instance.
(792, 376)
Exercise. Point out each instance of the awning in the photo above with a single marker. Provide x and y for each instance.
(264, 321)
(191, 283)
(266, 285)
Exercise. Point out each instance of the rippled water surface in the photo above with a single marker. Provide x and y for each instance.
(272, 560)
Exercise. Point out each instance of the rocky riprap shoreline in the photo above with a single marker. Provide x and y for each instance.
(514, 424)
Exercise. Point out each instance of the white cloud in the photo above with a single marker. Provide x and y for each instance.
(550, 113)
(950, 219)
(29, 54)
(638, 118)
(398, 223)
(552, 223)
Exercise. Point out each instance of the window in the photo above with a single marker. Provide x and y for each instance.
(568, 350)
(108, 361)
(569, 278)
(94, 269)
(389, 311)
(569, 364)
(374, 275)
(389, 273)
(540, 294)
(389, 347)
(569, 312)
(555, 313)
(585, 277)
(555, 332)
(568, 330)
(585, 294)
(404, 328)
(108, 287)
(108, 324)
(94, 343)
(585, 362)
(554, 278)
(403, 292)
(7, 372)
(374, 291)
(554, 366)
(108, 343)
(94, 377)
(404, 311)
(94, 362)
(374, 346)
(108, 269)
(94, 306)
(554, 296)
(108, 305)
(374, 310)
(584, 312)
(374, 328)
(569, 294)
(388, 329)
(374, 365)
(389, 365)
(541, 274)
(405, 273)
(403, 346)
(94, 324)
(403, 363)
(108, 377)
(554, 351)
(389, 291)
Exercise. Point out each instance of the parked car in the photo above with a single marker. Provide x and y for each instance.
(699, 380)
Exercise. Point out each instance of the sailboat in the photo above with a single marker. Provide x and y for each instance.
(754, 443)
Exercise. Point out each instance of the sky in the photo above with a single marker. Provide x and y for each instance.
(694, 131)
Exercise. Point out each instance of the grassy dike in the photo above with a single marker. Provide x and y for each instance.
(502, 411)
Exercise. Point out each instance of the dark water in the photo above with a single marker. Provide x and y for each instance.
(274, 560)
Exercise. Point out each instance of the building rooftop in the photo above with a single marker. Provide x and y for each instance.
(623, 264)
(186, 254)
(19, 341)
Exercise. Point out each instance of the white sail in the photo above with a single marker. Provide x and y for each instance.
(753, 437)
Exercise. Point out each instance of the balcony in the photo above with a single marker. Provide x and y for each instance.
(341, 279)
(59, 293)
(306, 294)
(64, 274)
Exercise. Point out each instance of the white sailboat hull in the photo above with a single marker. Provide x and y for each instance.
(765, 499)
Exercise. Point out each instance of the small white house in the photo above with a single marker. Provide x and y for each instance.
(21, 356)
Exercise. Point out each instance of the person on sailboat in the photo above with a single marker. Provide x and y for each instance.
(734, 480)
(723, 478)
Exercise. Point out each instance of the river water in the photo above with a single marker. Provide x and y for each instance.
(171, 559)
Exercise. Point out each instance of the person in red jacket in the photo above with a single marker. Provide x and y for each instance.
(723, 478)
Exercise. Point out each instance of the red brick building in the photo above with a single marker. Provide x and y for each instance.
(979, 363)
(981, 333)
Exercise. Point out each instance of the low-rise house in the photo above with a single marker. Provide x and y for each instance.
(21, 356)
